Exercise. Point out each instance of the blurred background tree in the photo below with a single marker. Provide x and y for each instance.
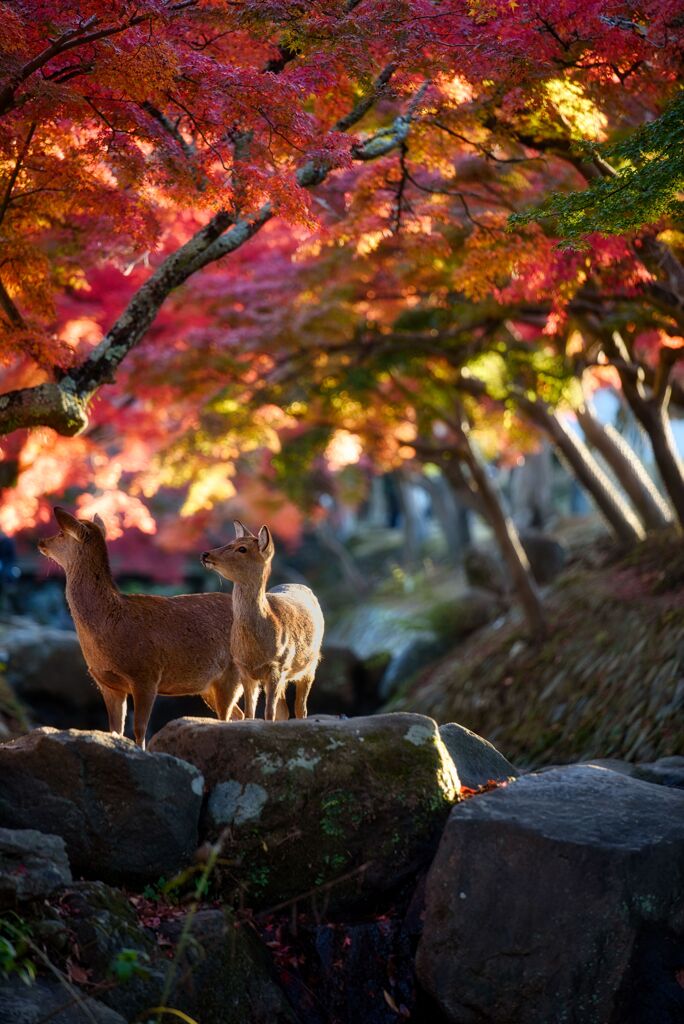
(401, 270)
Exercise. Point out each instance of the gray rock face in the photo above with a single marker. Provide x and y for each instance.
(120, 811)
(476, 760)
(345, 808)
(667, 771)
(540, 893)
(43, 662)
(48, 1000)
(31, 865)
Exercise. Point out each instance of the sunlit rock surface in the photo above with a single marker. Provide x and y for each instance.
(343, 808)
(476, 760)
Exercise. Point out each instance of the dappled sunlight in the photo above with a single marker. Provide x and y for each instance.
(119, 511)
(357, 329)
(577, 111)
(344, 449)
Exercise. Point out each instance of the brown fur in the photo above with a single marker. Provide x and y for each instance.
(142, 645)
(276, 635)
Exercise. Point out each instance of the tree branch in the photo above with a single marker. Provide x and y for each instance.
(69, 40)
(63, 405)
(12, 180)
(11, 311)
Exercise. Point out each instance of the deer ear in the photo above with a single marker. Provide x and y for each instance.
(241, 530)
(265, 539)
(99, 522)
(70, 524)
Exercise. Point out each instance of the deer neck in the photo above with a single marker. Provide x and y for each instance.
(91, 594)
(250, 606)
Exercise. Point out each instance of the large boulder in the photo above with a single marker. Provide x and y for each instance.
(122, 813)
(477, 761)
(344, 809)
(211, 969)
(48, 1000)
(543, 892)
(32, 865)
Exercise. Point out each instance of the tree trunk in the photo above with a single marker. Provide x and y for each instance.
(615, 510)
(653, 416)
(627, 467)
(650, 409)
(509, 543)
(656, 422)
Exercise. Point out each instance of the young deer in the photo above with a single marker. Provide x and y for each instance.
(139, 644)
(276, 635)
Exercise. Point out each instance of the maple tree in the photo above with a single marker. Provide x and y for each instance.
(454, 199)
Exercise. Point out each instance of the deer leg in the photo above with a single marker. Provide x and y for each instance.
(282, 710)
(209, 698)
(143, 700)
(275, 692)
(302, 686)
(251, 688)
(116, 709)
(226, 693)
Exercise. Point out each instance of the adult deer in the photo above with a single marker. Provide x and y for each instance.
(276, 635)
(141, 645)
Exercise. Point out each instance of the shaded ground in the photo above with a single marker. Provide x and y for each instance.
(609, 682)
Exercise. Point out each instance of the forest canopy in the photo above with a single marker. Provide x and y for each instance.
(247, 244)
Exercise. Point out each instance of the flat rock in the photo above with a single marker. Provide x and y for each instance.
(543, 892)
(338, 808)
(122, 812)
(477, 760)
(32, 865)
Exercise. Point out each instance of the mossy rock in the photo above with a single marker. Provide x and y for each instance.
(337, 810)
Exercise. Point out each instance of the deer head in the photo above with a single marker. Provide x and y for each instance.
(77, 542)
(247, 559)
